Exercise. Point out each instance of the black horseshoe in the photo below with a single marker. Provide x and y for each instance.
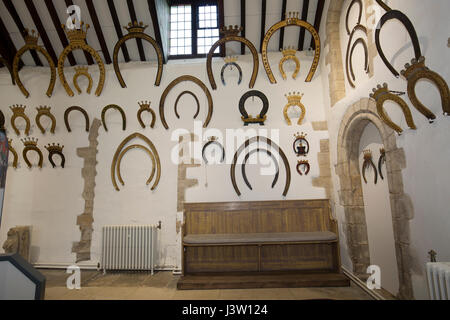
(51, 153)
(244, 175)
(369, 163)
(230, 64)
(178, 99)
(381, 160)
(306, 164)
(116, 107)
(210, 143)
(296, 151)
(69, 110)
(348, 13)
(366, 57)
(262, 96)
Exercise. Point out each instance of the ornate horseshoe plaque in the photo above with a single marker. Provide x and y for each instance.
(369, 163)
(172, 85)
(122, 113)
(294, 99)
(230, 62)
(45, 111)
(31, 145)
(55, 149)
(231, 34)
(301, 145)
(122, 145)
(77, 40)
(304, 164)
(291, 20)
(244, 174)
(382, 94)
(82, 71)
(416, 71)
(289, 54)
(136, 146)
(349, 53)
(9, 67)
(262, 115)
(31, 43)
(14, 152)
(75, 108)
(19, 112)
(269, 142)
(136, 31)
(213, 140)
(381, 160)
(145, 106)
(359, 2)
(178, 99)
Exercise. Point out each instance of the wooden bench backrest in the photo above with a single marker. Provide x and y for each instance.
(255, 217)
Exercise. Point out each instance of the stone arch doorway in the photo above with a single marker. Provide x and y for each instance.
(350, 192)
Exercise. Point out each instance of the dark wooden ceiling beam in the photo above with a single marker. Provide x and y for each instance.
(243, 25)
(283, 16)
(62, 36)
(221, 13)
(12, 11)
(98, 30)
(263, 22)
(89, 58)
(40, 28)
(118, 27)
(155, 22)
(318, 19)
(7, 49)
(301, 38)
(133, 19)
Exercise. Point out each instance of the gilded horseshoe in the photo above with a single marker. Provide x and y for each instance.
(45, 111)
(8, 66)
(211, 143)
(178, 99)
(122, 113)
(14, 152)
(244, 174)
(269, 142)
(172, 85)
(297, 66)
(223, 71)
(348, 55)
(31, 44)
(31, 145)
(294, 100)
(359, 2)
(292, 20)
(136, 146)
(145, 106)
(19, 112)
(82, 71)
(75, 108)
(55, 149)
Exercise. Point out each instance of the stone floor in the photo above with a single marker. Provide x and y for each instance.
(162, 286)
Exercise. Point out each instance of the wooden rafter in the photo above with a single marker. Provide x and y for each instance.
(301, 38)
(221, 18)
(7, 49)
(243, 25)
(98, 30)
(318, 19)
(134, 18)
(283, 16)
(118, 27)
(263, 22)
(156, 28)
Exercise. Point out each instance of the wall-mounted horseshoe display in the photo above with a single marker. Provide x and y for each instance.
(366, 56)
(231, 34)
(9, 67)
(381, 160)
(58, 150)
(230, 62)
(369, 163)
(172, 85)
(14, 152)
(213, 141)
(82, 71)
(75, 108)
(416, 71)
(294, 99)
(45, 111)
(359, 3)
(31, 145)
(136, 31)
(77, 40)
(301, 145)
(196, 101)
(382, 94)
(289, 54)
(122, 113)
(136, 146)
(305, 165)
(145, 106)
(19, 112)
(119, 150)
(270, 143)
(31, 43)
(349, 53)
(291, 20)
(277, 166)
(248, 119)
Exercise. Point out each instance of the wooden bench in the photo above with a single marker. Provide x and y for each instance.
(259, 237)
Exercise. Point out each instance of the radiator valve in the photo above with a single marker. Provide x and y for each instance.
(432, 255)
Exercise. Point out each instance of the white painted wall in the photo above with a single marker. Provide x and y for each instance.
(426, 178)
(50, 199)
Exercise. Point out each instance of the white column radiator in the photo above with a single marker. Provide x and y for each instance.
(128, 247)
(438, 275)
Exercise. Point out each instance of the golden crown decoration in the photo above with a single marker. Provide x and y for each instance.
(31, 39)
(231, 31)
(230, 59)
(304, 161)
(294, 97)
(289, 51)
(367, 154)
(379, 91)
(300, 135)
(54, 147)
(18, 108)
(30, 142)
(292, 16)
(43, 109)
(135, 27)
(413, 67)
(144, 105)
(77, 35)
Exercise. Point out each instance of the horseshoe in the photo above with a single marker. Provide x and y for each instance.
(122, 113)
(244, 174)
(55, 149)
(82, 71)
(359, 2)
(294, 99)
(178, 99)
(366, 58)
(223, 71)
(136, 146)
(19, 112)
(31, 145)
(217, 143)
(262, 115)
(301, 163)
(287, 57)
(45, 111)
(349, 52)
(145, 106)
(14, 152)
(381, 160)
(75, 108)
(369, 163)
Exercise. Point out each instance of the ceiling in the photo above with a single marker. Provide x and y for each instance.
(16, 15)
